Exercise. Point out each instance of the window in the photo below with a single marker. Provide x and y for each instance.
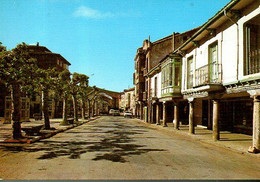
(177, 79)
(252, 46)
(213, 62)
(171, 76)
(155, 86)
(190, 72)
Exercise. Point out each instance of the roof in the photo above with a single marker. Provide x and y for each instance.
(109, 92)
(215, 21)
(42, 50)
(130, 89)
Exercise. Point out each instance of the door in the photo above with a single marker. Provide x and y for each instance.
(190, 72)
(213, 60)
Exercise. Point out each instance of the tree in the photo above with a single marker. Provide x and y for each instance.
(17, 70)
(61, 87)
(79, 83)
(45, 81)
(92, 100)
(83, 91)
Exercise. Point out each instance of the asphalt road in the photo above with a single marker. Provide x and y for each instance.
(118, 148)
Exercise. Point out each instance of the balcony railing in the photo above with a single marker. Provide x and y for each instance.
(208, 74)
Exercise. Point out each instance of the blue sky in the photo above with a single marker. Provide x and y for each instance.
(100, 37)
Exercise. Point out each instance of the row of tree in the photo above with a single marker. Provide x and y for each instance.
(22, 76)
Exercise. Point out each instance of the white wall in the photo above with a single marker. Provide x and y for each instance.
(158, 75)
(227, 53)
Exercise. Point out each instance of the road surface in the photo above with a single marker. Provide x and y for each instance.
(118, 148)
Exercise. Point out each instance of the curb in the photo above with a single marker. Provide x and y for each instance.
(48, 135)
(217, 144)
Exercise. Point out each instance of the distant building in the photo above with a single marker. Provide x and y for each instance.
(30, 106)
(127, 100)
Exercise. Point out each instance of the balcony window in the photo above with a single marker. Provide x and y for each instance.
(155, 87)
(177, 80)
(190, 69)
(213, 60)
(171, 75)
(211, 72)
(252, 43)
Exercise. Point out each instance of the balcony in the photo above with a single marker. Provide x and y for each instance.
(208, 74)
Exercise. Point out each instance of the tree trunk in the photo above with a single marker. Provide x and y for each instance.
(45, 109)
(83, 110)
(16, 108)
(93, 108)
(88, 109)
(53, 108)
(75, 107)
(65, 110)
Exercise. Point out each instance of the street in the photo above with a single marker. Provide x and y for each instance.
(119, 148)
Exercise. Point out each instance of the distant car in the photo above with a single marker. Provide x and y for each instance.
(116, 113)
(111, 111)
(128, 114)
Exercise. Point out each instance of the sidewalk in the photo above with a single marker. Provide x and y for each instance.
(232, 141)
(6, 130)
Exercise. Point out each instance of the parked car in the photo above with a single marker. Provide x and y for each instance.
(114, 112)
(128, 114)
(111, 111)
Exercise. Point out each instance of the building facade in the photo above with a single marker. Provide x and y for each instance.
(127, 100)
(30, 106)
(210, 78)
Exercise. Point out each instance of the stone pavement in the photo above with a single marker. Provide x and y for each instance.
(6, 130)
(233, 141)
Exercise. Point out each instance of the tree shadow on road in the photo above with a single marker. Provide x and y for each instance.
(115, 144)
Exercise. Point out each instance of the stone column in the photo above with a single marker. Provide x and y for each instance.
(256, 126)
(215, 128)
(149, 112)
(141, 111)
(191, 116)
(176, 115)
(158, 114)
(164, 114)
(256, 123)
(255, 148)
(209, 115)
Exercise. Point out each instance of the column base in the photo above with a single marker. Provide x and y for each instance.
(253, 150)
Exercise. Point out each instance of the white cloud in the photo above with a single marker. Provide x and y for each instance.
(86, 12)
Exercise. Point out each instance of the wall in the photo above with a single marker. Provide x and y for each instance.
(159, 51)
(158, 75)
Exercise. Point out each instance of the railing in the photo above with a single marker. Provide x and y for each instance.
(208, 74)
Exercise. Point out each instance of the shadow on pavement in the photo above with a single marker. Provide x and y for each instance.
(115, 142)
